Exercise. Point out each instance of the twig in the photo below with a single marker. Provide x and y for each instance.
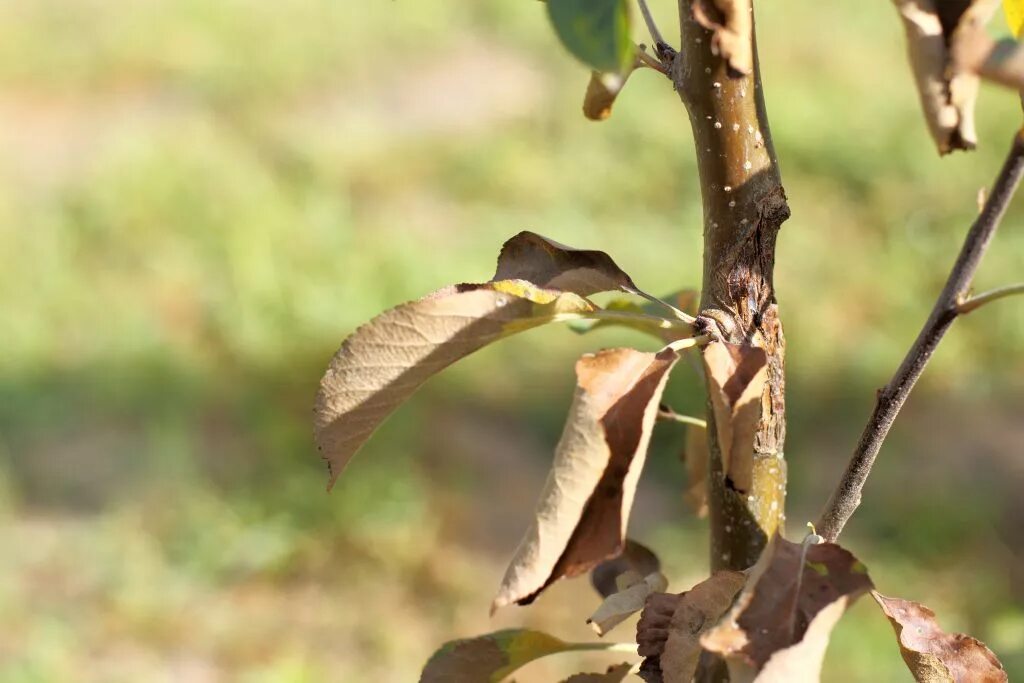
(846, 498)
(666, 413)
(644, 59)
(977, 301)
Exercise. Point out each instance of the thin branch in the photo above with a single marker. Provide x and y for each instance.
(980, 300)
(846, 498)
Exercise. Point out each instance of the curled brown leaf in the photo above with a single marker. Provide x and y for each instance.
(931, 654)
(583, 511)
(736, 377)
(779, 626)
(632, 593)
(947, 92)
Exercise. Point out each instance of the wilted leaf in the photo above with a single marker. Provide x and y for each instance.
(695, 457)
(780, 624)
(595, 31)
(635, 557)
(947, 95)
(584, 509)
(736, 377)
(615, 674)
(931, 654)
(669, 630)
(602, 90)
(1014, 10)
(732, 25)
(630, 598)
(492, 657)
(385, 361)
(546, 263)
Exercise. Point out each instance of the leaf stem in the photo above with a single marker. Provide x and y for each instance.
(968, 305)
(666, 413)
(847, 495)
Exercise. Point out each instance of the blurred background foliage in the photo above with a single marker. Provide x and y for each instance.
(198, 200)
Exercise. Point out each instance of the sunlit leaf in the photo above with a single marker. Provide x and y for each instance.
(779, 627)
(386, 360)
(595, 31)
(931, 654)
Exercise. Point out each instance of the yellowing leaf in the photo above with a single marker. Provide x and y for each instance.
(1014, 10)
(931, 654)
(736, 377)
(492, 657)
(386, 360)
(584, 509)
(630, 599)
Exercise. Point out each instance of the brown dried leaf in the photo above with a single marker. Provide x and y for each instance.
(695, 457)
(780, 624)
(615, 674)
(947, 94)
(546, 263)
(635, 557)
(584, 509)
(602, 90)
(931, 654)
(383, 362)
(630, 598)
(697, 612)
(736, 377)
(732, 26)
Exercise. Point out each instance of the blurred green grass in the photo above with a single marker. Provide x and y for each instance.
(199, 200)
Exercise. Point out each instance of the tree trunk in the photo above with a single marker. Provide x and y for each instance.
(744, 207)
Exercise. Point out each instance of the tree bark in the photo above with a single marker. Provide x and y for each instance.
(744, 207)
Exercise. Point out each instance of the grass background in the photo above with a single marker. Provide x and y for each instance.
(199, 200)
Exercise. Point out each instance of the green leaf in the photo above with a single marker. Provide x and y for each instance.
(595, 31)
